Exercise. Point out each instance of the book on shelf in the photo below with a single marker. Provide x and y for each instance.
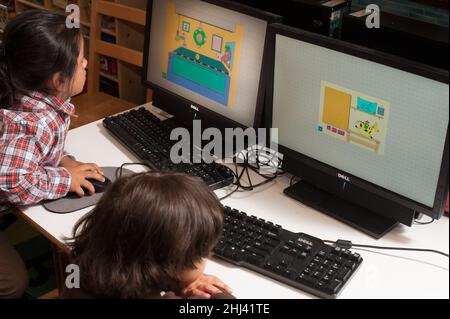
(108, 38)
(108, 65)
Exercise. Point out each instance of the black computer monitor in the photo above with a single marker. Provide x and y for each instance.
(204, 60)
(366, 132)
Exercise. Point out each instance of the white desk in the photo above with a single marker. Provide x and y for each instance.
(383, 274)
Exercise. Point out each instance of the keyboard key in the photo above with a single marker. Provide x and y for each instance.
(312, 265)
(356, 257)
(307, 271)
(317, 274)
(285, 249)
(351, 265)
(344, 273)
(255, 259)
(327, 263)
(305, 279)
(317, 259)
(333, 287)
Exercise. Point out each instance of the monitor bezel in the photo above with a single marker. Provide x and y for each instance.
(181, 107)
(423, 70)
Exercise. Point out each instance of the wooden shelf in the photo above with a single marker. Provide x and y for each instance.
(109, 77)
(128, 33)
(30, 4)
(109, 31)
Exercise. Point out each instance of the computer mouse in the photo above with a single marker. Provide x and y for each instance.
(100, 187)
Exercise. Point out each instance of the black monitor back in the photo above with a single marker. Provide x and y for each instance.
(318, 16)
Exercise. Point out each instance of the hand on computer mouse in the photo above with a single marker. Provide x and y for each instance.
(80, 183)
(99, 187)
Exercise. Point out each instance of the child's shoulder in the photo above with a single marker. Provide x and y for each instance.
(27, 115)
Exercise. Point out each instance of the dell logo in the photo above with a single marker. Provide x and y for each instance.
(344, 177)
(195, 108)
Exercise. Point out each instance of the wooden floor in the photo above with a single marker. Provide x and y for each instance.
(90, 108)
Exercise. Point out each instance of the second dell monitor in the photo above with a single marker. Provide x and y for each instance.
(367, 132)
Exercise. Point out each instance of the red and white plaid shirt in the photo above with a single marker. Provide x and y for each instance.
(32, 136)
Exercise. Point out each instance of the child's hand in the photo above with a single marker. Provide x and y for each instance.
(69, 163)
(80, 174)
(205, 286)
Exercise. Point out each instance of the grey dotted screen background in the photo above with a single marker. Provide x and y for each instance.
(417, 125)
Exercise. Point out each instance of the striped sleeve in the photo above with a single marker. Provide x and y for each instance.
(23, 179)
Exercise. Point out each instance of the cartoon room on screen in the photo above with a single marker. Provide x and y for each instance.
(201, 52)
(353, 117)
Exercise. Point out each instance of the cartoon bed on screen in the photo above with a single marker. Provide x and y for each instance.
(202, 52)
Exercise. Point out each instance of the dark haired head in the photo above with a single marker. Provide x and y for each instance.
(144, 233)
(36, 45)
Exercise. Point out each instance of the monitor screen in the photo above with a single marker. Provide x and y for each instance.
(208, 53)
(362, 114)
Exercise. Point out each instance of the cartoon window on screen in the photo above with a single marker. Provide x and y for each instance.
(353, 117)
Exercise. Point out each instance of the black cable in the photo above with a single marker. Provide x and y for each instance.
(346, 244)
(246, 166)
(424, 223)
(229, 194)
(291, 182)
(239, 177)
(270, 159)
(119, 170)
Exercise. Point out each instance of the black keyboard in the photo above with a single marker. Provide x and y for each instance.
(149, 139)
(297, 259)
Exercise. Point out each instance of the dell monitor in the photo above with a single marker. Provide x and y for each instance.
(204, 60)
(365, 131)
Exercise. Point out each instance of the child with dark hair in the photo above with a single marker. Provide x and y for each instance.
(41, 67)
(149, 233)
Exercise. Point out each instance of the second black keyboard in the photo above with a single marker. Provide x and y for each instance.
(149, 138)
(297, 259)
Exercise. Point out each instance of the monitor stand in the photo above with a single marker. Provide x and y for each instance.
(352, 214)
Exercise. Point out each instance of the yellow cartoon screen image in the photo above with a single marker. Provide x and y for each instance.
(200, 56)
(353, 117)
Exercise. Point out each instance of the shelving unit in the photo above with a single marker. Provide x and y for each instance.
(132, 36)
(118, 77)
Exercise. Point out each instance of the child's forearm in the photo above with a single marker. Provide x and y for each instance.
(33, 187)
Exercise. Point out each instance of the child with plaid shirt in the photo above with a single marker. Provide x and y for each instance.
(41, 66)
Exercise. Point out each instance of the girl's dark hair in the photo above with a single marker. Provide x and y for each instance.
(146, 230)
(36, 45)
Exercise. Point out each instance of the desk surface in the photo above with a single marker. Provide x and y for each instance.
(383, 273)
